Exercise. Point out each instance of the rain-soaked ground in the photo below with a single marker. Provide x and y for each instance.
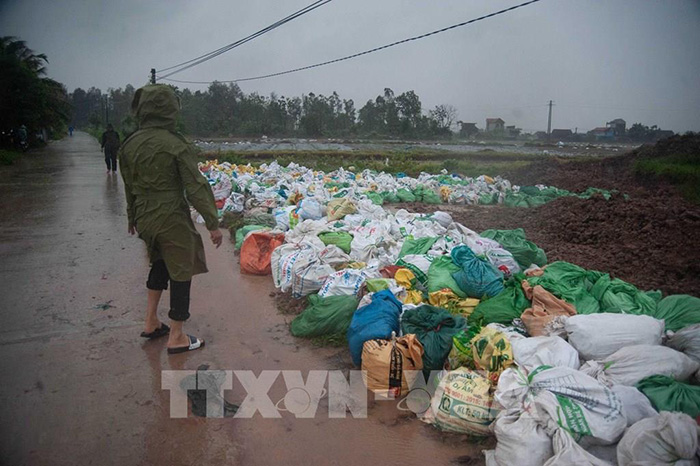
(79, 386)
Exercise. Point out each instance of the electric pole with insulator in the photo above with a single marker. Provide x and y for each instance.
(153, 75)
(549, 121)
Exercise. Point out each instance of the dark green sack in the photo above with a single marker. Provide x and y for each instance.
(390, 197)
(514, 241)
(434, 328)
(678, 311)
(325, 316)
(503, 308)
(667, 394)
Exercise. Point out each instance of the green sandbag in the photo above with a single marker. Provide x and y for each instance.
(503, 308)
(514, 241)
(375, 197)
(264, 219)
(405, 195)
(416, 246)
(667, 394)
(341, 239)
(377, 284)
(243, 231)
(570, 283)
(615, 295)
(678, 311)
(434, 328)
(431, 197)
(390, 197)
(440, 276)
(487, 199)
(325, 316)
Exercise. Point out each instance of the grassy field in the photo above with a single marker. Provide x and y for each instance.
(471, 164)
(682, 170)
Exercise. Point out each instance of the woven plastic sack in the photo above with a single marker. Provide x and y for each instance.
(374, 321)
(341, 239)
(665, 439)
(256, 252)
(440, 276)
(476, 278)
(390, 366)
(667, 394)
(339, 208)
(325, 316)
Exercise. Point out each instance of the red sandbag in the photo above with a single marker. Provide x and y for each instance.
(256, 252)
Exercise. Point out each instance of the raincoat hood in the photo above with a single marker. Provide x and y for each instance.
(156, 106)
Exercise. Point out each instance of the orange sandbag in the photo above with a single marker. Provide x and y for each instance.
(257, 250)
(545, 307)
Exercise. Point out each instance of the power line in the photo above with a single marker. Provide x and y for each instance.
(208, 56)
(376, 49)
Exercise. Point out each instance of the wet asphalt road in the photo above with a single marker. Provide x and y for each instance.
(79, 386)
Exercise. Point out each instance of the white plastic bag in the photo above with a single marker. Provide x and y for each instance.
(631, 364)
(521, 440)
(596, 336)
(687, 340)
(310, 209)
(544, 351)
(562, 396)
(666, 439)
(635, 405)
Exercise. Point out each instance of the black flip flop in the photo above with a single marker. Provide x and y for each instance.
(159, 332)
(195, 343)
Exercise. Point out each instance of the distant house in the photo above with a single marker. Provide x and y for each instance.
(619, 127)
(541, 135)
(602, 133)
(468, 130)
(562, 134)
(495, 125)
(512, 132)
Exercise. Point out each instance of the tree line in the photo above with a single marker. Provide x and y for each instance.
(224, 110)
(28, 98)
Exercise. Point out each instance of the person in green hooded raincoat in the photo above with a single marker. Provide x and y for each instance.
(160, 174)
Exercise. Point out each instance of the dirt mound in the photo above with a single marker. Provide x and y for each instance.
(678, 146)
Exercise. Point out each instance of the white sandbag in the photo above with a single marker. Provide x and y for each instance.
(346, 282)
(596, 336)
(607, 453)
(419, 264)
(521, 440)
(544, 351)
(503, 261)
(635, 405)
(222, 187)
(666, 439)
(443, 218)
(310, 209)
(631, 364)
(508, 330)
(234, 203)
(568, 452)
(277, 259)
(282, 217)
(562, 396)
(686, 340)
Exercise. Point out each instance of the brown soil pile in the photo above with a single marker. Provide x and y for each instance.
(651, 239)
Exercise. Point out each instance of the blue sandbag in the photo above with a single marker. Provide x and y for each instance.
(478, 277)
(375, 320)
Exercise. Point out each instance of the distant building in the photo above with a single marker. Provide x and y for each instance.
(541, 135)
(619, 127)
(603, 133)
(468, 130)
(562, 134)
(512, 132)
(662, 134)
(494, 125)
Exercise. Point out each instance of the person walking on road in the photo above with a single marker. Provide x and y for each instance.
(110, 146)
(159, 169)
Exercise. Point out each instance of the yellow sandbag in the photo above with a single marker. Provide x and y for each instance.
(384, 363)
(407, 279)
(339, 208)
(492, 352)
(445, 193)
(488, 179)
(463, 403)
(447, 299)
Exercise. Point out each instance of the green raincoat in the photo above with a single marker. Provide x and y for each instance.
(159, 169)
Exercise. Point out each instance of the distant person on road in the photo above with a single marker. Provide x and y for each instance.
(110, 146)
(159, 168)
(70, 131)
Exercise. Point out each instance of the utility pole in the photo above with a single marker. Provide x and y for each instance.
(549, 121)
(153, 75)
(107, 108)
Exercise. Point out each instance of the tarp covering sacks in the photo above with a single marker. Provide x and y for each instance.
(374, 321)
(434, 328)
(325, 316)
(463, 402)
(596, 336)
(391, 366)
(477, 277)
(514, 241)
(678, 311)
(629, 365)
(667, 394)
(256, 252)
(564, 397)
(665, 439)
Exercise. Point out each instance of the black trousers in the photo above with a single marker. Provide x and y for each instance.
(111, 159)
(158, 279)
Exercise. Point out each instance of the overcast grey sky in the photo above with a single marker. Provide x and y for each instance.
(597, 59)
